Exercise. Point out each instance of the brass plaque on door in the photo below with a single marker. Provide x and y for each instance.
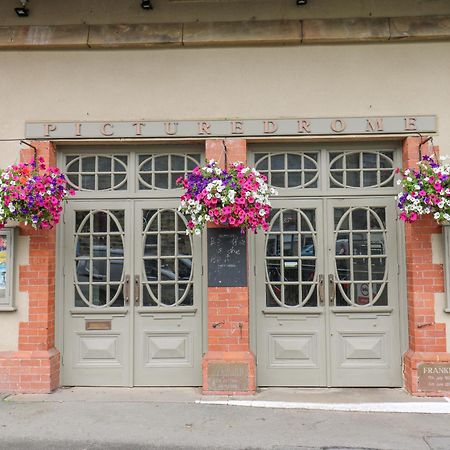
(96, 325)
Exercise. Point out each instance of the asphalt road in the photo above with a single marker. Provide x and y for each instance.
(96, 425)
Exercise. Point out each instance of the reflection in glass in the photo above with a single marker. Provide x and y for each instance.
(290, 259)
(359, 266)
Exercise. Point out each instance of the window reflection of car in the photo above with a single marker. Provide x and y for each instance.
(290, 258)
(99, 266)
(167, 274)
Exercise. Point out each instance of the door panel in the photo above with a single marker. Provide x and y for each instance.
(290, 315)
(97, 316)
(168, 298)
(364, 322)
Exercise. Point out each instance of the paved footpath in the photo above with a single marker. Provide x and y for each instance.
(135, 419)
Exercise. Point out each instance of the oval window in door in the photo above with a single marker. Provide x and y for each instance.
(360, 256)
(99, 258)
(167, 259)
(291, 258)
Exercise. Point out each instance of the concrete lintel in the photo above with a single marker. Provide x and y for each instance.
(324, 31)
(274, 32)
(135, 35)
(44, 36)
(420, 28)
(269, 32)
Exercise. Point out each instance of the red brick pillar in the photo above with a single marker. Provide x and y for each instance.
(35, 366)
(228, 365)
(427, 341)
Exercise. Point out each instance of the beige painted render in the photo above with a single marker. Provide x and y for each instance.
(261, 82)
(45, 12)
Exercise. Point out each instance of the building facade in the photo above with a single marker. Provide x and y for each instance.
(327, 100)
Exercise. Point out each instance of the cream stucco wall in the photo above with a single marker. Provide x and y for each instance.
(260, 82)
(45, 12)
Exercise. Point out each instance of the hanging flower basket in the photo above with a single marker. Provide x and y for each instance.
(426, 190)
(32, 194)
(238, 198)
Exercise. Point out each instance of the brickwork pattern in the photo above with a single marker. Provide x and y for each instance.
(427, 339)
(228, 307)
(35, 366)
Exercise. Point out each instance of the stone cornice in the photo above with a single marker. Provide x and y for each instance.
(198, 34)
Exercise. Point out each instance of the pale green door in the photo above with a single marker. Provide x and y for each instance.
(132, 283)
(168, 322)
(327, 302)
(363, 297)
(97, 291)
(290, 296)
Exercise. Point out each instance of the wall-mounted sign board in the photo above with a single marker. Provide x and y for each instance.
(232, 128)
(227, 257)
(434, 377)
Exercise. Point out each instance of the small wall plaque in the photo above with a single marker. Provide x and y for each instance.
(227, 376)
(434, 377)
(97, 325)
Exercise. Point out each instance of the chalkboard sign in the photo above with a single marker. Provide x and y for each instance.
(227, 257)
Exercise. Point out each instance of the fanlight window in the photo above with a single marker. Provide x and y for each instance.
(291, 259)
(99, 258)
(97, 172)
(289, 170)
(162, 171)
(360, 256)
(167, 254)
(366, 169)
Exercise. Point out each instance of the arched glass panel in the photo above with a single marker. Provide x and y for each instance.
(167, 256)
(161, 171)
(361, 169)
(99, 258)
(289, 170)
(360, 256)
(291, 258)
(97, 172)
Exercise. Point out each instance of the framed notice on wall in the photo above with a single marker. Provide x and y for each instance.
(6, 269)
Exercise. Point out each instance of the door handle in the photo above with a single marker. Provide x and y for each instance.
(321, 290)
(331, 289)
(126, 290)
(137, 290)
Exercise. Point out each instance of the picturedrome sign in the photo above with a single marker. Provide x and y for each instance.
(232, 128)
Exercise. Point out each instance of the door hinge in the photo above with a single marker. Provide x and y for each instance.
(254, 270)
(398, 269)
(202, 271)
(62, 359)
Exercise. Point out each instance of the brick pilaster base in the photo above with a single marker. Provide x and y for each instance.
(228, 366)
(35, 366)
(427, 339)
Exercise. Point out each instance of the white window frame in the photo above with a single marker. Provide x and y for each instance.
(7, 303)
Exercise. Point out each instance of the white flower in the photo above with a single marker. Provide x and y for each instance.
(409, 179)
(11, 207)
(399, 182)
(437, 215)
(197, 231)
(262, 212)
